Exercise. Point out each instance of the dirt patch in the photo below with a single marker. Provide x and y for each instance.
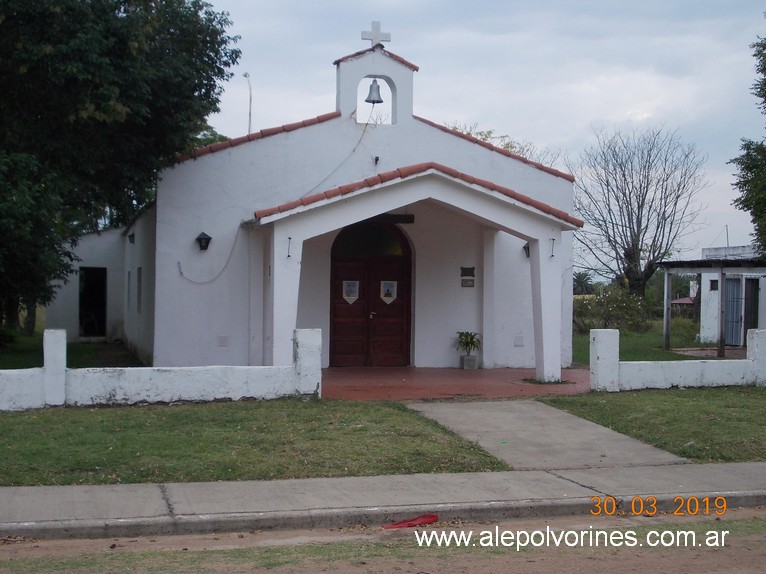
(712, 353)
(371, 550)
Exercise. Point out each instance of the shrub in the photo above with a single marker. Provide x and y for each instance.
(685, 331)
(6, 338)
(613, 308)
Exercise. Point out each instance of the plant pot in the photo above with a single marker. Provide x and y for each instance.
(469, 362)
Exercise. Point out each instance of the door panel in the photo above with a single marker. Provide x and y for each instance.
(733, 312)
(388, 321)
(348, 339)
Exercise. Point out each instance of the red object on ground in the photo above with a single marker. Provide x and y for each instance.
(417, 521)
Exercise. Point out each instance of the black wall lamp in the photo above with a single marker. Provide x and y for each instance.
(203, 240)
(526, 249)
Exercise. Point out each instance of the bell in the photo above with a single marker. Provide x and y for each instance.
(374, 96)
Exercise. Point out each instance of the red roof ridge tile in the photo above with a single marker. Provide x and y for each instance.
(264, 133)
(540, 166)
(391, 55)
(417, 169)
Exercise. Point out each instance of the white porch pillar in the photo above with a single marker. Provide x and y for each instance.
(286, 253)
(546, 306)
(488, 299)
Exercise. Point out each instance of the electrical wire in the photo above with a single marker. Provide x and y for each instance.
(217, 275)
(345, 159)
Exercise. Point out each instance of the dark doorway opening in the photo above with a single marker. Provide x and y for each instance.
(752, 295)
(92, 301)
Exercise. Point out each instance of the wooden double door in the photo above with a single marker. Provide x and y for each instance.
(370, 306)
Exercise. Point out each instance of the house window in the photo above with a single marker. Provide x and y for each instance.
(714, 284)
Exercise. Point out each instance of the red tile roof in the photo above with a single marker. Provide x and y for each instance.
(212, 148)
(391, 55)
(545, 168)
(412, 170)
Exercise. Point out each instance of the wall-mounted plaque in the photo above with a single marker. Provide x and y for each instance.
(350, 291)
(388, 291)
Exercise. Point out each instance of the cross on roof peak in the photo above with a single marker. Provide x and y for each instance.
(375, 36)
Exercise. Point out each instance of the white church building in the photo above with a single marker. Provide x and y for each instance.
(389, 237)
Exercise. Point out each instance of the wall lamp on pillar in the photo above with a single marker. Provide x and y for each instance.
(526, 249)
(203, 240)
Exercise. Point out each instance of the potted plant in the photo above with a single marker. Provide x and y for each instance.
(468, 341)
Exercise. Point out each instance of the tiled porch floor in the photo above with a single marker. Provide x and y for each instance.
(410, 383)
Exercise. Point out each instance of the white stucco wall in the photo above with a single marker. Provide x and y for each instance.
(608, 373)
(55, 385)
(103, 249)
(709, 310)
(139, 255)
(202, 301)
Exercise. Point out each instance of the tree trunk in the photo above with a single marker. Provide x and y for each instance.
(11, 313)
(30, 321)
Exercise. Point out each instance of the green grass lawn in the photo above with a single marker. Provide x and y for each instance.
(248, 440)
(642, 346)
(27, 353)
(726, 424)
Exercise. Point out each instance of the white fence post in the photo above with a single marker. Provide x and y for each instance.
(605, 360)
(54, 366)
(308, 360)
(756, 352)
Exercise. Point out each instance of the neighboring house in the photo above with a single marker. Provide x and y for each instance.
(732, 286)
(390, 238)
(682, 303)
(744, 296)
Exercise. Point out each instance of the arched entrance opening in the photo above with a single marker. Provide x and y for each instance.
(370, 292)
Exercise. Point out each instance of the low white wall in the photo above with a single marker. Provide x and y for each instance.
(54, 385)
(21, 389)
(608, 373)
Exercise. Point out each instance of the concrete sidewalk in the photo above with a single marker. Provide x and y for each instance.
(156, 509)
(530, 435)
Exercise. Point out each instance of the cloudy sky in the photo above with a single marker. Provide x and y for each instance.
(542, 71)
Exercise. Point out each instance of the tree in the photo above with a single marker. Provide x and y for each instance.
(582, 283)
(635, 192)
(206, 136)
(612, 308)
(97, 97)
(37, 238)
(525, 149)
(751, 163)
